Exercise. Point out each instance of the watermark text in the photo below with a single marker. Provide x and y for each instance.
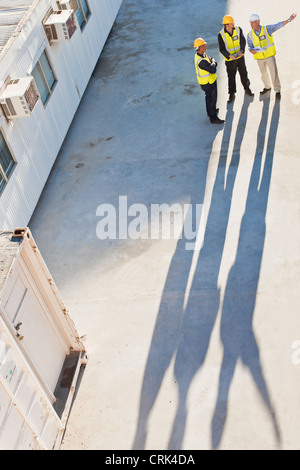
(157, 222)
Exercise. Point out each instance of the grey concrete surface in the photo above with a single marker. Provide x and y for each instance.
(188, 349)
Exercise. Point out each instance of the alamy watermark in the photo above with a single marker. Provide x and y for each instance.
(156, 222)
(296, 93)
(296, 354)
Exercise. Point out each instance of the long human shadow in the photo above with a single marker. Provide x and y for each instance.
(204, 298)
(169, 317)
(237, 333)
(177, 332)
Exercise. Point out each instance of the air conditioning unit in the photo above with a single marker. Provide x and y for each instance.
(60, 26)
(69, 5)
(19, 98)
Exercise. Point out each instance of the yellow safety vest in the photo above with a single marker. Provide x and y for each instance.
(203, 76)
(232, 43)
(264, 39)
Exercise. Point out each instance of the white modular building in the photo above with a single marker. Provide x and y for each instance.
(48, 51)
(41, 353)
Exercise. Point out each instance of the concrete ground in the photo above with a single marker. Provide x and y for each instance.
(188, 349)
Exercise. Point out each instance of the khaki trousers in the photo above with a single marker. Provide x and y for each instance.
(268, 68)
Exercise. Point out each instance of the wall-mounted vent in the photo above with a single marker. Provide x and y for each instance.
(19, 98)
(60, 26)
(69, 5)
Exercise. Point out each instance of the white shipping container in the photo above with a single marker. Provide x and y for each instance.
(41, 354)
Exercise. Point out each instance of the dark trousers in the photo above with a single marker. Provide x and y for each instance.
(232, 67)
(211, 95)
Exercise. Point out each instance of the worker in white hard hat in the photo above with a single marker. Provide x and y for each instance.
(206, 71)
(232, 44)
(261, 45)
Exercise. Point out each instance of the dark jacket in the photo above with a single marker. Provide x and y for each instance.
(205, 65)
(222, 46)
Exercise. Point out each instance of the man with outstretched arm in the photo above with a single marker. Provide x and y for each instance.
(261, 45)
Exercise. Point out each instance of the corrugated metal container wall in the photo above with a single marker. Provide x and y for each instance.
(41, 353)
(35, 141)
(19, 391)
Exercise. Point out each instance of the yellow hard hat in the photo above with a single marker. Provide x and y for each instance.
(228, 19)
(199, 42)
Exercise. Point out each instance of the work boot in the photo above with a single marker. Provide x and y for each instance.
(265, 90)
(216, 120)
(278, 96)
(231, 98)
(249, 92)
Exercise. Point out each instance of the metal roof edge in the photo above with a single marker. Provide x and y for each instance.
(19, 28)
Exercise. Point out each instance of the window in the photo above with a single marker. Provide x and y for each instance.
(83, 13)
(6, 162)
(44, 77)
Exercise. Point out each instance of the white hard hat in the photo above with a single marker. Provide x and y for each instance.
(254, 17)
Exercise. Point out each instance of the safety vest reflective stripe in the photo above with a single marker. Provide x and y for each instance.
(232, 43)
(263, 40)
(203, 76)
(200, 72)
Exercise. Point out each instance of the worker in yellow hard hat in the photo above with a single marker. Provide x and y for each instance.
(206, 71)
(232, 45)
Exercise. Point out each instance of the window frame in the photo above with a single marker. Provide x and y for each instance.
(38, 64)
(5, 177)
(85, 17)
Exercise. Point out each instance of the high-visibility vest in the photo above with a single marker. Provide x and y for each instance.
(264, 39)
(232, 42)
(203, 76)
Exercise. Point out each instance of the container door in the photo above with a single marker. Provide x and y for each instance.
(27, 420)
(35, 329)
